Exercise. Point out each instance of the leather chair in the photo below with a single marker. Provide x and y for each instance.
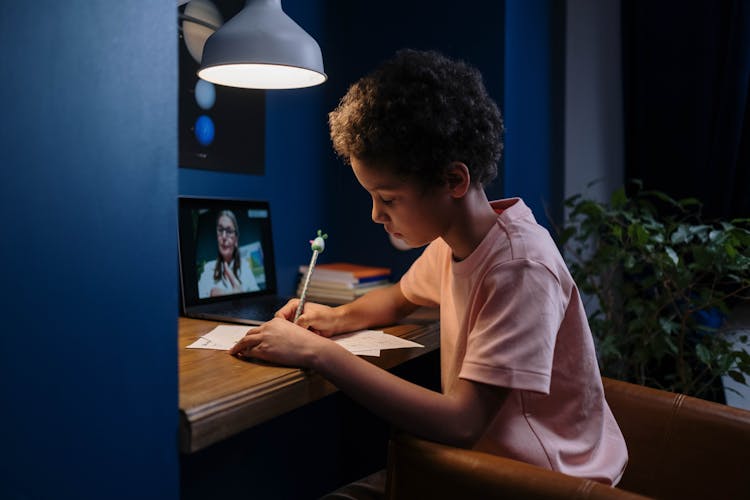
(679, 447)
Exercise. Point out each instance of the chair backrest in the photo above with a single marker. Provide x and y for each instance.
(424, 469)
(680, 446)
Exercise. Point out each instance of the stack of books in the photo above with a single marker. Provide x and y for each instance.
(341, 282)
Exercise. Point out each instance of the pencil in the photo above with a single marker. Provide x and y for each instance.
(317, 245)
(303, 295)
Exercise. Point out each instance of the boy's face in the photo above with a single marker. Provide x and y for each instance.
(405, 209)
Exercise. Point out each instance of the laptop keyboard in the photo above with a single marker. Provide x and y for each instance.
(260, 308)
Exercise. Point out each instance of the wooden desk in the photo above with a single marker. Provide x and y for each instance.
(221, 395)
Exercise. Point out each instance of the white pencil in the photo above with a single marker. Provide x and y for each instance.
(317, 245)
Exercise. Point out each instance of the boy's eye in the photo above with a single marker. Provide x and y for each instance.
(386, 201)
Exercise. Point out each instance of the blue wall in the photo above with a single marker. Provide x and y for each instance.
(533, 105)
(87, 189)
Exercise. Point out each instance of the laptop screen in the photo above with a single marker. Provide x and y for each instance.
(226, 249)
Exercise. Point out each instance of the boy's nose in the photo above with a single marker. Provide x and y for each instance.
(377, 215)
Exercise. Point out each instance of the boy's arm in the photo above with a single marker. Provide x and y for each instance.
(458, 417)
(380, 307)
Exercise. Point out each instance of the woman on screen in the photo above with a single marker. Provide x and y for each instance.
(229, 273)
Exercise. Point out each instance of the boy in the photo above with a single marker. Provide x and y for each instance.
(518, 367)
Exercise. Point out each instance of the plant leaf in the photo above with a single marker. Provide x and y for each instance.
(619, 199)
(703, 354)
(681, 235)
(737, 376)
(672, 255)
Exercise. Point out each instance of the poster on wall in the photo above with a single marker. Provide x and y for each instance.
(220, 128)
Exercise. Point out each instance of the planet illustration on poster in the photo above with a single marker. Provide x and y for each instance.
(220, 128)
(205, 94)
(204, 130)
(196, 33)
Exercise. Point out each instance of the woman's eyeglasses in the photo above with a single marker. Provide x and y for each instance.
(225, 231)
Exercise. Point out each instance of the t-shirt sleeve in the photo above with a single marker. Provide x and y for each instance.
(519, 309)
(421, 283)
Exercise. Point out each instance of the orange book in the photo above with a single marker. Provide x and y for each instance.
(347, 272)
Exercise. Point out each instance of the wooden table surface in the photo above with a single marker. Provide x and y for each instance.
(221, 395)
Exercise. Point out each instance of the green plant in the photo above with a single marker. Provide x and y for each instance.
(657, 280)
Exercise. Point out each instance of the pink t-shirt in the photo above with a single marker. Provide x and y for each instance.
(511, 316)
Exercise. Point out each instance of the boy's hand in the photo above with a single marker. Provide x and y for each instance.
(323, 320)
(280, 341)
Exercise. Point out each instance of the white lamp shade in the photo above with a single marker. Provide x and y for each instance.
(262, 48)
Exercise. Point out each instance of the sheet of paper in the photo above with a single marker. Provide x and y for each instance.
(223, 337)
(371, 342)
(361, 343)
(367, 352)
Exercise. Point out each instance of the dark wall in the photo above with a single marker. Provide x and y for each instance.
(687, 100)
(88, 371)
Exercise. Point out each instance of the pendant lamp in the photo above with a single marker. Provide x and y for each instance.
(262, 48)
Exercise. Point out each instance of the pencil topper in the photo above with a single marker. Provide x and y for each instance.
(319, 244)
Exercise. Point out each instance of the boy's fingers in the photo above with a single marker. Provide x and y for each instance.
(302, 321)
(288, 310)
(245, 344)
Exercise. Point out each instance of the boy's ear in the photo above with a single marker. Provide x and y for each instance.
(457, 179)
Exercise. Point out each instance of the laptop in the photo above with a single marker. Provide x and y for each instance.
(226, 257)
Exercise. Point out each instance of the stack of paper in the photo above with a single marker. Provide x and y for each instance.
(361, 343)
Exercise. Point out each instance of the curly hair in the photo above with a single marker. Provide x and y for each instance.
(417, 113)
